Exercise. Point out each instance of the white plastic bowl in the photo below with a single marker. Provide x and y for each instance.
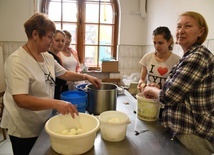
(72, 144)
(113, 131)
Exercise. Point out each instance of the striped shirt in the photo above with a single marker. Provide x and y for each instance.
(188, 95)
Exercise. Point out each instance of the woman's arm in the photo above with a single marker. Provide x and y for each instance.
(35, 103)
(73, 76)
(142, 81)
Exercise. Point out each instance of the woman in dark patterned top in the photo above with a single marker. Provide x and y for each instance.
(188, 93)
(57, 45)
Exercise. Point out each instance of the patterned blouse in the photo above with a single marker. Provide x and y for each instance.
(188, 94)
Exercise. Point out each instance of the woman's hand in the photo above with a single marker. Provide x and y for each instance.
(151, 92)
(66, 108)
(141, 85)
(93, 80)
(154, 85)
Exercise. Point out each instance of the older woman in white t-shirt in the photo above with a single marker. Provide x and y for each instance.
(30, 74)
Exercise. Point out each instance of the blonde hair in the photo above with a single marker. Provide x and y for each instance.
(201, 23)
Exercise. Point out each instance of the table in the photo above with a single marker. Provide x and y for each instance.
(156, 141)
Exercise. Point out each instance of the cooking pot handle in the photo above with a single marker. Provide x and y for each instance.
(86, 89)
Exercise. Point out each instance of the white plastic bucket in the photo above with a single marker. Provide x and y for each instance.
(113, 131)
(147, 109)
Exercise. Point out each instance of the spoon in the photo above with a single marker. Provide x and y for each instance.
(139, 132)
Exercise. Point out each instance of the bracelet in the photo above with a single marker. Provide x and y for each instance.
(55, 105)
(84, 76)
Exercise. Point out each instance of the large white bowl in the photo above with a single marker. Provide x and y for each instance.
(72, 144)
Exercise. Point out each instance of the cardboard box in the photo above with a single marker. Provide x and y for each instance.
(110, 66)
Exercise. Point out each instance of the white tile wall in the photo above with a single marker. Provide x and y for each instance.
(128, 56)
(210, 45)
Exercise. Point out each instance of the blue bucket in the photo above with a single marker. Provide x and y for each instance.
(76, 97)
(81, 87)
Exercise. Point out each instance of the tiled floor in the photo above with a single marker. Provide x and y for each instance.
(5, 145)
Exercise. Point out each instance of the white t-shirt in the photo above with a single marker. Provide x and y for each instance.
(70, 63)
(157, 72)
(25, 76)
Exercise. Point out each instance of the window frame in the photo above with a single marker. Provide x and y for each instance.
(80, 32)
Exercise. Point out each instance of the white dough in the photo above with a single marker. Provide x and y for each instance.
(65, 132)
(73, 131)
(80, 131)
(114, 120)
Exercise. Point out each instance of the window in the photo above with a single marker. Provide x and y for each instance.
(92, 23)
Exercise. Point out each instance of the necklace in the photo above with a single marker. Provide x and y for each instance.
(49, 77)
(161, 59)
(67, 52)
(31, 52)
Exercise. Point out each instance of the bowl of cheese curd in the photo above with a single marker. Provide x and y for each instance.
(113, 125)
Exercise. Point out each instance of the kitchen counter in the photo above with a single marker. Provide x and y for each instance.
(155, 141)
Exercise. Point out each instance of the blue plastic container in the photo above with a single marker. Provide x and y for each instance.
(76, 97)
(81, 87)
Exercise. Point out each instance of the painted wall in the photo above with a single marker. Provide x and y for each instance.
(132, 25)
(13, 14)
(134, 30)
(166, 12)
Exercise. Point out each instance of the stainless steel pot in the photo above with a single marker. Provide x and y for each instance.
(102, 99)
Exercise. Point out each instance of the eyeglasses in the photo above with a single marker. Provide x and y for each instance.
(50, 79)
